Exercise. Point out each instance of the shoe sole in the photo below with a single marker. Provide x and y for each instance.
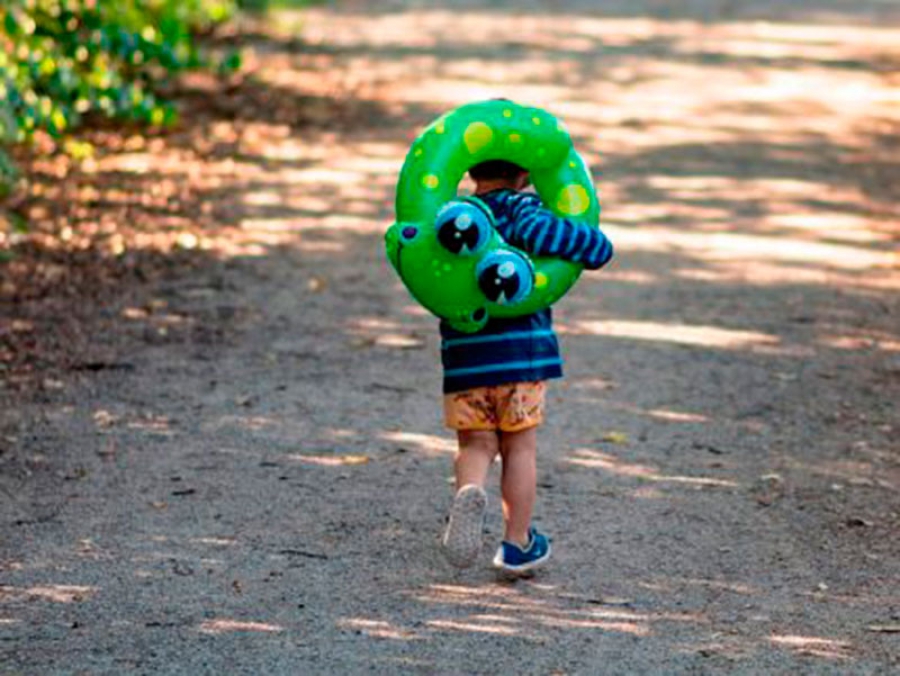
(462, 539)
(523, 569)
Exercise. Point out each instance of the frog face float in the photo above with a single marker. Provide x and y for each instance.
(447, 250)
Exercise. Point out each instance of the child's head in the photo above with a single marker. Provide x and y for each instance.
(499, 174)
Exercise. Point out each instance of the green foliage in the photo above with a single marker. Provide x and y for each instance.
(8, 175)
(63, 60)
(254, 5)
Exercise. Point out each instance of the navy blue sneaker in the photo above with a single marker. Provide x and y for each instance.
(512, 558)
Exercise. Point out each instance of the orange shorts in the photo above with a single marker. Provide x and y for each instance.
(507, 408)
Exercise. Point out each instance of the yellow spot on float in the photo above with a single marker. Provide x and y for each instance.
(573, 200)
(536, 120)
(477, 137)
(440, 128)
(419, 152)
(515, 138)
(540, 280)
(573, 164)
(430, 181)
(507, 113)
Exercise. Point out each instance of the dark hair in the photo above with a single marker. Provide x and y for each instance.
(493, 169)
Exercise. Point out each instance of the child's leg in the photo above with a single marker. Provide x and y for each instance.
(462, 537)
(477, 450)
(518, 483)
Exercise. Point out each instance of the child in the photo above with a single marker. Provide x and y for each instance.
(494, 379)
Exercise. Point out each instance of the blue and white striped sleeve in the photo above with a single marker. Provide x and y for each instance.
(540, 232)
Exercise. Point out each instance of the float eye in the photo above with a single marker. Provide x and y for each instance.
(505, 277)
(463, 228)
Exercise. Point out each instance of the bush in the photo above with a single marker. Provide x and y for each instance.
(64, 60)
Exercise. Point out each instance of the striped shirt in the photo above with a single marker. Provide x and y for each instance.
(525, 223)
(520, 349)
(513, 350)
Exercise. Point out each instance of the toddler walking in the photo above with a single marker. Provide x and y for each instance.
(494, 380)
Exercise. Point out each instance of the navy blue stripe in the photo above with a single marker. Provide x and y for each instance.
(524, 225)
(511, 335)
(460, 383)
(607, 252)
(599, 246)
(507, 366)
(573, 242)
(500, 351)
(539, 242)
(557, 241)
(589, 236)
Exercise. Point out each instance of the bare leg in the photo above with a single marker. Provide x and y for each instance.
(462, 537)
(477, 450)
(518, 482)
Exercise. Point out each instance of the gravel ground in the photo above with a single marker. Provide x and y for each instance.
(252, 476)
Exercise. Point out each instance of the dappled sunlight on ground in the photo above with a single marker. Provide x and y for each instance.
(702, 336)
(378, 629)
(672, 584)
(223, 626)
(745, 153)
(328, 460)
(611, 464)
(764, 274)
(814, 645)
(718, 246)
(785, 95)
(539, 612)
(887, 342)
(373, 331)
(874, 469)
(659, 414)
(799, 98)
(720, 338)
(426, 444)
(526, 610)
(57, 593)
(751, 61)
(675, 416)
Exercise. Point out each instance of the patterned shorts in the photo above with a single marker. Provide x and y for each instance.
(507, 408)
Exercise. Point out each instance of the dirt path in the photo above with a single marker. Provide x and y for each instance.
(245, 471)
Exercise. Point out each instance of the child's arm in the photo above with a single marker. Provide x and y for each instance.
(540, 232)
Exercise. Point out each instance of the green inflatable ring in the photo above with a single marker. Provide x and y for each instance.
(446, 280)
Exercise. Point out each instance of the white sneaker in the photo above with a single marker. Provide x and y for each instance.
(462, 539)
